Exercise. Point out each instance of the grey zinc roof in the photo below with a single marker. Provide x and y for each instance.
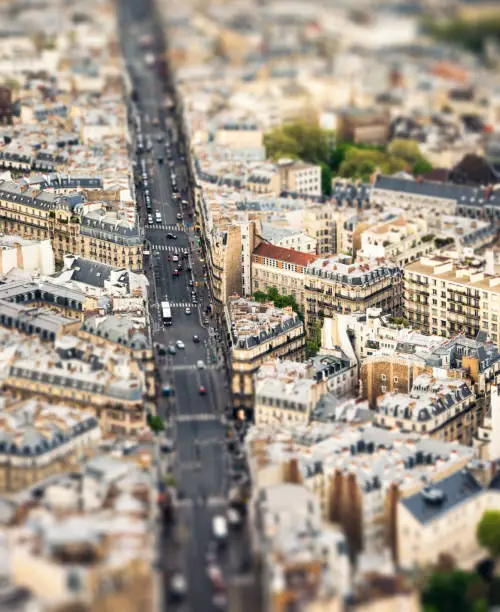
(447, 191)
(443, 496)
(90, 272)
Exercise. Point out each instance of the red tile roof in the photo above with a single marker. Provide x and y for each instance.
(288, 255)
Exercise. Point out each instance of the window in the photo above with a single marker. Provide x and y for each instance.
(382, 377)
(396, 379)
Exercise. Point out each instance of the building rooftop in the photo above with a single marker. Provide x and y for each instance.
(437, 499)
(291, 256)
(253, 323)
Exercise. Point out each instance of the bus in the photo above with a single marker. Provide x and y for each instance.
(166, 313)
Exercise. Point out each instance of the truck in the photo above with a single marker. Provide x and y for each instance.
(219, 528)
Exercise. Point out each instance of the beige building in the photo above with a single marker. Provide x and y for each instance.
(445, 409)
(38, 439)
(224, 262)
(442, 518)
(281, 269)
(398, 240)
(335, 284)
(287, 175)
(286, 392)
(321, 221)
(443, 296)
(259, 332)
(45, 216)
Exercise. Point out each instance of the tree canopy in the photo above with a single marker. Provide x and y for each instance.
(309, 142)
(280, 301)
(299, 140)
(488, 532)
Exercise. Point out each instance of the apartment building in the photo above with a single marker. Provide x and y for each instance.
(258, 332)
(99, 235)
(336, 284)
(366, 126)
(288, 238)
(358, 472)
(287, 176)
(39, 439)
(281, 269)
(322, 222)
(397, 240)
(302, 559)
(28, 255)
(444, 296)
(436, 198)
(437, 407)
(79, 374)
(69, 551)
(442, 518)
(299, 177)
(286, 398)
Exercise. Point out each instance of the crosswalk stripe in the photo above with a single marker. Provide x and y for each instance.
(183, 305)
(204, 416)
(178, 227)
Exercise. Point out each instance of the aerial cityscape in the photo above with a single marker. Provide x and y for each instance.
(249, 305)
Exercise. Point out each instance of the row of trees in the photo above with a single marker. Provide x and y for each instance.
(307, 141)
(470, 35)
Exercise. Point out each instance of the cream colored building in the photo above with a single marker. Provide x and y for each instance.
(441, 408)
(259, 332)
(442, 518)
(280, 269)
(335, 284)
(443, 296)
(44, 216)
(398, 240)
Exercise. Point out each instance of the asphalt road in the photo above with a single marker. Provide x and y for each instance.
(196, 420)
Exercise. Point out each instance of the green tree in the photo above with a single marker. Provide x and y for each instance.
(421, 166)
(408, 150)
(156, 424)
(300, 140)
(326, 179)
(448, 592)
(260, 296)
(313, 342)
(488, 532)
(280, 301)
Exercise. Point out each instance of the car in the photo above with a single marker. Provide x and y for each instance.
(200, 364)
(167, 390)
(159, 138)
(177, 588)
(185, 202)
(160, 159)
(172, 350)
(202, 390)
(196, 339)
(187, 311)
(175, 272)
(191, 283)
(171, 236)
(178, 217)
(158, 217)
(150, 219)
(175, 258)
(180, 344)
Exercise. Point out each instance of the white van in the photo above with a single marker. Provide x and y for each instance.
(158, 217)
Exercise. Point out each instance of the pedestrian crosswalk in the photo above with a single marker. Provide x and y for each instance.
(170, 248)
(203, 416)
(183, 305)
(177, 227)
